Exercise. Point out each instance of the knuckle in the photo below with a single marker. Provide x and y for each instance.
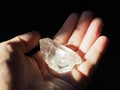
(6, 47)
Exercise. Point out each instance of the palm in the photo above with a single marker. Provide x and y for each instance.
(18, 71)
(83, 36)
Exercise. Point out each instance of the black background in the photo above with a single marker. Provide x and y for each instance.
(47, 17)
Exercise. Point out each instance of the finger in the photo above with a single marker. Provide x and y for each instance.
(91, 35)
(79, 79)
(81, 29)
(25, 42)
(93, 56)
(66, 30)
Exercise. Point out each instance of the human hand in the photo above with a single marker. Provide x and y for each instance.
(21, 72)
(83, 35)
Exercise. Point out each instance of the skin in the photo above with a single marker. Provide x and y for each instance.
(19, 71)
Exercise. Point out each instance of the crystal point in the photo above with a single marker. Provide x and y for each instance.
(58, 57)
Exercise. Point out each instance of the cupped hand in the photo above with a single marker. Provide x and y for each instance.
(19, 71)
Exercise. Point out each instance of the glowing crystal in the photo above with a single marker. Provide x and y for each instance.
(58, 57)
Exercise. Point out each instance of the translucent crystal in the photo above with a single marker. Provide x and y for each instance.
(57, 56)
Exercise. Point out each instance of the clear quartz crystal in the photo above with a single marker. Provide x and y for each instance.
(58, 57)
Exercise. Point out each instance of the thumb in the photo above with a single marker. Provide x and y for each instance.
(25, 42)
